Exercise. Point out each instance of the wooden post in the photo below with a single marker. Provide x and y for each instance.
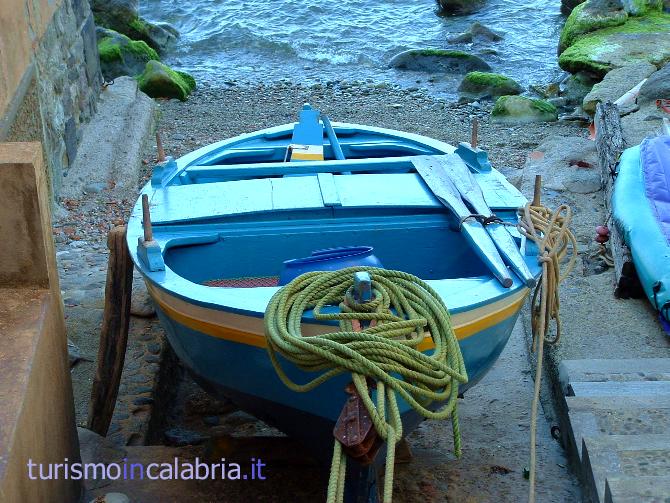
(537, 191)
(159, 148)
(474, 138)
(113, 334)
(146, 219)
(610, 144)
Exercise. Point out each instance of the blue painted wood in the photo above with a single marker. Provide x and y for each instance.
(476, 158)
(328, 189)
(472, 193)
(332, 138)
(308, 131)
(430, 169)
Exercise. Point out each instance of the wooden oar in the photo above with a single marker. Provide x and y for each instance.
(432, 172)
(472, 194)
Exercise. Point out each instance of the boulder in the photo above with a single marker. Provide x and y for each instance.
(576, 87)
(438, 60)
(519, 109)
(478, 85)
(115, 14)
(568, 5)
(566, 163)
(639, 39)
(657, 86)
(591, 16)
(476, 32)
(123, 16)
(458, 7)
(160, 81)
(617, 83)
(121, 56)
(594, 15)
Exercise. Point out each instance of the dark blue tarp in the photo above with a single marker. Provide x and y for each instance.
(655, 157)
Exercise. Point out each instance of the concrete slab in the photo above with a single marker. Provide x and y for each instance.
(637, 489)
(622, 455)
(612, 388)
(615, 421)
(600, 370)
(112, 143)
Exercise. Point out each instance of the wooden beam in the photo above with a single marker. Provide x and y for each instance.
(113, 334)
(610, 144)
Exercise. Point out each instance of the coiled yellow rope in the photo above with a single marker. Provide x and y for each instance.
(406, 311)
(549, 231)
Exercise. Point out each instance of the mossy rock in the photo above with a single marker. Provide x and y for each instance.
(519, 109)
(595, 15)
(438, 60)
(121, 56)
(482, 84)
(585, 20)
(123, 17)
(639, 39)
(161, 81)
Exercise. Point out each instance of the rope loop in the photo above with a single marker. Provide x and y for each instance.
(403, 312)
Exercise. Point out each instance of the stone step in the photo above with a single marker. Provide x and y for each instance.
(643, 489)
(597, 370)
(609, 456)
(621, 389)
(617, 421)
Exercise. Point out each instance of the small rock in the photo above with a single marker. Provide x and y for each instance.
(95, 188)
(657, 86)
(518, 109)
(160, 81)
(111, 498)
(617, 82)
(180, 437)
(458, 7)
(484, 84)
(141, 304)
(476, 32)
(438, 60)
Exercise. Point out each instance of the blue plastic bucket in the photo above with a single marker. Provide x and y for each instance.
(329, 259)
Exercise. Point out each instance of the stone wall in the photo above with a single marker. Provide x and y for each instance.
(57, 91)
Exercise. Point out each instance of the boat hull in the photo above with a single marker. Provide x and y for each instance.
(227, 355)
(638, 198)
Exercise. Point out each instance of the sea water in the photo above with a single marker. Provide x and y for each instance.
(352, 40)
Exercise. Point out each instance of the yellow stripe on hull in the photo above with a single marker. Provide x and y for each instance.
(249, 330)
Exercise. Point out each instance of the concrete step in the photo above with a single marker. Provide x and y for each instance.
(613, 388)
(612, 456)
(593, 417)
(637, 489)
(597, 370)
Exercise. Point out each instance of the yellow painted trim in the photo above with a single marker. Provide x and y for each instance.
(303, 156)
(193, 317)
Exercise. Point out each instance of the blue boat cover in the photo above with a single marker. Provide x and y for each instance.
(655, 157)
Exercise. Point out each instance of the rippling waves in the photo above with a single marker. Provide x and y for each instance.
(349, 39)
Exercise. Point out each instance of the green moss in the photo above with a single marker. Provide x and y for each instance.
(112, 48)
(141, 48)
(519, 107)
(109, 50)
(642, 7)
(583, 54)
(488, 79)
(580, 23)
(442, 53)
(481, 84)
(161, 81)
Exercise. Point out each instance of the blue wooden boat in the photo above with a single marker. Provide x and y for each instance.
(641, 210)
(226, 217)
